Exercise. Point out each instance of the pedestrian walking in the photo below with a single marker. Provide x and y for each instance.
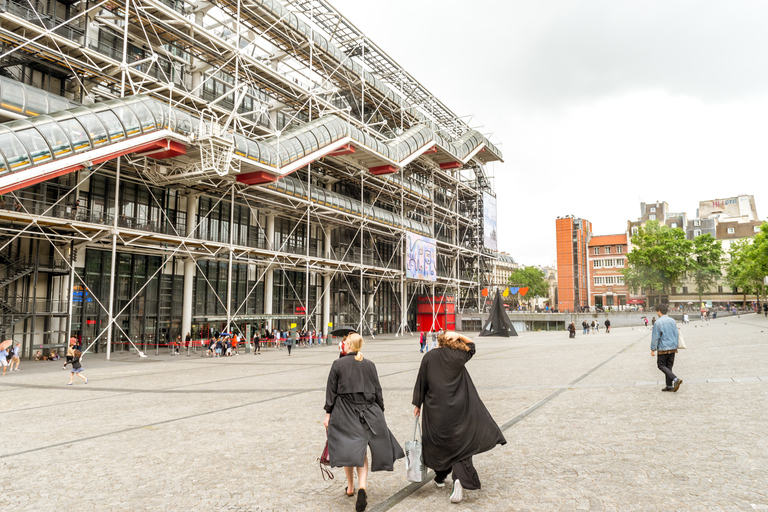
(15, 356)
(422, 341)
(584, 326)
(571, 330)
(289, 344)
(187, 342)
(77, 368)
(664, 343)
(70, 352)
(607, 326)
(4, 354)
(354, 420)
(257, 343)
(455, 423)
(765, 308)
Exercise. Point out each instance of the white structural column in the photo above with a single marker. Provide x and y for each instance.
(190, 269)
(328, 276)
(269, 276)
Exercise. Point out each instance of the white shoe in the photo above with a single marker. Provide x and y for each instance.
(440, 485)
(457, 495)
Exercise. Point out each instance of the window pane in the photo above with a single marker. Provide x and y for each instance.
(94, 127)
(36, 103)
(15, 154)
(114, 128)
(35, 144)
(56, 138)
(129, 120)
(77, 134)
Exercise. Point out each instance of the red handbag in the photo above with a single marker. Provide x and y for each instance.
(325, 462)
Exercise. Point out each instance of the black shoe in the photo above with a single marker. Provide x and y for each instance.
(362, 501)
(668, 388)
(676, 384)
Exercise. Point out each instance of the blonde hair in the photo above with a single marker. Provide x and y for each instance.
(355, 343)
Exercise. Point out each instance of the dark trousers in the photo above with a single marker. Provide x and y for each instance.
(665, 363)
(464, 472)
(289, 348)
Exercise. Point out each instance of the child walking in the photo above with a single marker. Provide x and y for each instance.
(77, 368)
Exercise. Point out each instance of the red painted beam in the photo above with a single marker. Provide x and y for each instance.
(256, 178)
(382, 169)
(347, 149)
(169, 150)
(163, 145)
(450, 165)
(433, 149)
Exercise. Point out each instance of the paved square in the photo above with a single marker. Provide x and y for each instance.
(586, 424)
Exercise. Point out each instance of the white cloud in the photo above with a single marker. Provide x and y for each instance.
(599, 104)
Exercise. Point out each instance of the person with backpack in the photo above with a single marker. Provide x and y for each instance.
(607, 326)
(77, 368)
(289, 344)
(422, 341)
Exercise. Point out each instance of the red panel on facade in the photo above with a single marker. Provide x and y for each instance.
(347, 149)
(382, 169)
(450, 165)
(256, 178)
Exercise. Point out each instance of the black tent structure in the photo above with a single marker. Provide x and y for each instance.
(498, 323)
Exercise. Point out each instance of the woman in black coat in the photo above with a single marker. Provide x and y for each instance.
(455, 423)
(355, 419)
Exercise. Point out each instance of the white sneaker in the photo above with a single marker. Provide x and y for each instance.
(439, 485)
(457, 495)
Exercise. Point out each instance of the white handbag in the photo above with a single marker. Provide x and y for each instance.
(414, 461)
(680, 340)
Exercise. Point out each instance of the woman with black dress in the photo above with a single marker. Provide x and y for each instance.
(355, 420)
(455, 423)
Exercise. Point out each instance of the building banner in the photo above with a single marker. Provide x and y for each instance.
(420, 257)
(489, 222)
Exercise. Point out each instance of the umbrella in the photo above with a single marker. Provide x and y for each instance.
(343, 331)
(225, 334)
(5, 344)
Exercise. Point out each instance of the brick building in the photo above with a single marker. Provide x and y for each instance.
(572, 275)
(607, 258)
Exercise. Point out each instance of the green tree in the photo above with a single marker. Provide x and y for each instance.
(706, 262)
(533, 278)
(747, 264)
(659, 259)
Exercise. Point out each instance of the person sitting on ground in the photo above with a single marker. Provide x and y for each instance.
(38, 356)
(54, 356)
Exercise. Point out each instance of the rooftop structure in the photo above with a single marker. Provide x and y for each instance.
(231, 165)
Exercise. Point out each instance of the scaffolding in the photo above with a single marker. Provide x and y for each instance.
(248, 165)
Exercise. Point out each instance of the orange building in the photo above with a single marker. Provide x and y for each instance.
(572, 274)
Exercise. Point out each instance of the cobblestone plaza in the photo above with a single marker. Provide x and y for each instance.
(586, 424)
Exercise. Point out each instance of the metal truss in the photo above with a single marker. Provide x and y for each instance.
(238, 67)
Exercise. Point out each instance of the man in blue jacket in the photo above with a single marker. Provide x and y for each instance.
(664, 343)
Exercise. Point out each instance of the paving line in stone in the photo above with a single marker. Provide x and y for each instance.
(172, 420)
(123, 392)
(403, 493)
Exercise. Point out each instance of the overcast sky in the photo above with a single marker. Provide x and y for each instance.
(599, 104)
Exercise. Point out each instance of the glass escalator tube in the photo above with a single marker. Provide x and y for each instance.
(13, 152)
(37, 148)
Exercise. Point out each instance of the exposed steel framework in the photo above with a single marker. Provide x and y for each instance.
(285, 110)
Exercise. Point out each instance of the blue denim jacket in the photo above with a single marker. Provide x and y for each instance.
(664, 335)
